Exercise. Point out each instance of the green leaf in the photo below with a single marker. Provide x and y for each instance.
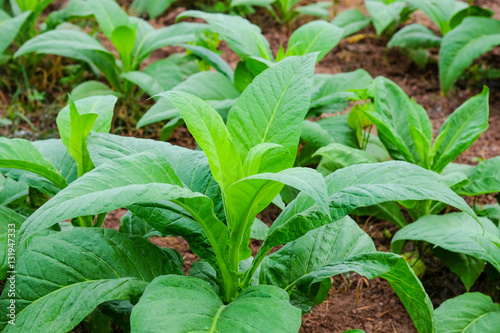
(468, 268)
(351, 20)
(415, 36)
(315, 36)
(392, 268)
(468, 41)
(259, 230)
(368, 184)
(123, 38)
(257, 309)
(10, 221)
(57, 286)
(22, 154)
(484, 179)
(91, 88)
(133, 225)
(421, 133)
(243, 37)
(319, 9)
(279, 119)
(472, 312)
(210, 132)
(310, 252)
(461, 129)
(55, 152)
(456, 232)
(262, 3)
(383, 15)
(109, 15)
(11, 190)
(10, 28)
(472, 10)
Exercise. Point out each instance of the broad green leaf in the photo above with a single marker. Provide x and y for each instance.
(22, 154)
(170, 298)
(10, 221)
(314, 136)
(472, 10)
(210, 132)
(390, 267)
(243, 37)
(471, 312)
(415, 36)
(325, 245)
(259, 230)
(368, 184)
(57, 286)
(383, 15)
(338, 128)
(461, 129)
(387, 211)
(109, 15)
(456, 232)
(92, 88)
(167, 72)
(421, 133)
(468, 41)
(351, 20)
(273, 106)
(484, 179)
(10, 28)
(144, 81)
(214, 88)
(212, 58)
(316, 36)
(123, 38)
(337, 156)
(153, 8)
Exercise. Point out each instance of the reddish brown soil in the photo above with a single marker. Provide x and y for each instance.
(352, 302)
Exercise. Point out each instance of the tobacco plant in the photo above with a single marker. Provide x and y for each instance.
(211, 198)
(467, 32)
(134, 40)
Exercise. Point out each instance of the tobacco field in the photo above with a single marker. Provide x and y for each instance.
(250, 166)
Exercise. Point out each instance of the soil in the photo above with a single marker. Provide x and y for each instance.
(353, 301)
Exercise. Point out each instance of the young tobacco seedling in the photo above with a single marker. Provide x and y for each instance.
(467, 32)
(211, 198)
